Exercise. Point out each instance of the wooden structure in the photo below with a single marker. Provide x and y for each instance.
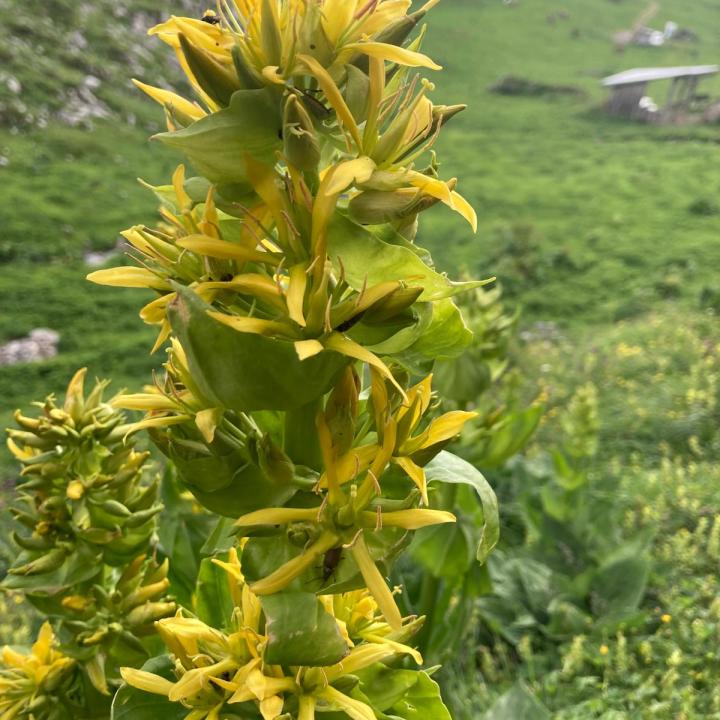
(629, 97)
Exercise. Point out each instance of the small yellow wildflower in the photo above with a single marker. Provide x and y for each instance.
(666, 618)
(604, 649)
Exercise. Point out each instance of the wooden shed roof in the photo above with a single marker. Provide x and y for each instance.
(642, 75)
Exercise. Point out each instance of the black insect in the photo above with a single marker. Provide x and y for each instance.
(345, 326)
(210, 19)
(331, 560)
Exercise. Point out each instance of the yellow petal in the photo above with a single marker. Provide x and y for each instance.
(307, 348)
(393, 53)
(412, 519)
(354, 709)
(276, 516)
(358, 659)
(195, 680)
(241, 692)
(337, 16)
(399, 648)
(347, 173)
(205, 245)
(156, 422)
(255, 284)
(461, 205)
(376, 584)
(166, 97)
(445, 427)
(268, 328)
(129, 277)
(163, 335)
(345, 346)
(207, 421)
(145, 401)
(381, 17)
(432, 186)
(295, 297)
(352, 463)
(155, 311)
(12, 658)
(43, 644)
(17, 452)
(416, 474)
(148, 682)
(178, 182)
(271, 707)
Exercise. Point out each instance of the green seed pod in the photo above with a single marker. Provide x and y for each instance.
(143, 516)
(215, 80)
(390, 307)
(34, 542)
(148, 613)
(271, 40)
(113, 507)
(374, 207)
(246, 76)
(301, 146)
(273, 462)
(357, 93)
(52, 560)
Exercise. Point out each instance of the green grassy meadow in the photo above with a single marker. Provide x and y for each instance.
(607, 229)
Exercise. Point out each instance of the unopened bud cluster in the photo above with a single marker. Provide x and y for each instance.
(87, 512)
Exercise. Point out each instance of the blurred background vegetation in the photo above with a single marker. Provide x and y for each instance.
(602, 601)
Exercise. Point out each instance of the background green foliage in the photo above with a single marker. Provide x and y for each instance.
(603, 231)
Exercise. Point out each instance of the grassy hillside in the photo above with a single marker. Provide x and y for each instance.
(585, 218)
(606, 229)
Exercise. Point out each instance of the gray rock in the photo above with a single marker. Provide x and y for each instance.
(40, 344)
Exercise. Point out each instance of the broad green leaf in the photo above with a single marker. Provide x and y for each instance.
(422, 702)
(245, 371)
(212, 601)
(232, 500)
(619, 586)
(181, 532)
(402, 337)
(567, 619)
(221, 539)
(463, 379)
(506, 439)
(516, 703)
(566, 475)
(300, 631)
(445, 337)
(218, 144)
(556, 502)
(448, 468)
(367, 260)
(445, 550)
(384, 686)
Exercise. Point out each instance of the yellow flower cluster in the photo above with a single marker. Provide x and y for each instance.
(30, 682)
(214, 669)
